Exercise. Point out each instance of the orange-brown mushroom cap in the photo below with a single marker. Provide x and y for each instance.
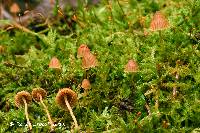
(159, 22)
(19, 98)
(86, 84)
(14, 8)
(37, 92)
(89, 61)
(69, 94)
(82, 50)
(131, 66)
(55, 63)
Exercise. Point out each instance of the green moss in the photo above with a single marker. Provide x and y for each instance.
(113, 103)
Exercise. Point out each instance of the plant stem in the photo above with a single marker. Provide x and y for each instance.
(175, 88)
(71, 113)
(156, 104)
(121, 8)
(48, 115)
(26, 113)
(157, 99)
(148, 109)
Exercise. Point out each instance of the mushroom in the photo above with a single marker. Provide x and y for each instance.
(82, 50)
(89, 60)
(55, 63)
(131, 66)
(86, 86)
(24, 98)
(66, 99)
(38, 95)
(14, 8)
(159, 22)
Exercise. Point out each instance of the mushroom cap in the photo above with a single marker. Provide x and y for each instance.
(38, 91)
(89, 61)
(14, 8)
(86, 84)
(159, 22)
(131, 66)
(22, 94)
(82, 50)
(69, 94)
(55, 63)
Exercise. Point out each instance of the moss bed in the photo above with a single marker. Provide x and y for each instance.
(162, 95)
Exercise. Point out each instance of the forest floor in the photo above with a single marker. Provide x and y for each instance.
(141, 79)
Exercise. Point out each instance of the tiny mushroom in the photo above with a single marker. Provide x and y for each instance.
(86, 86)
(82, 50)
(55, 63)
(14, 8)
(131, 66)
(24, 98)
(89, 61)
(159, 22)
(66, 99)
(38, 95)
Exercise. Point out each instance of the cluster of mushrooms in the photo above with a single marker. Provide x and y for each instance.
(67, 98)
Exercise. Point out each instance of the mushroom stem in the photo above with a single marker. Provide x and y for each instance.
(174, 92)
(48, 115)
(71, 113)
(26, 113)
(85, 93)
(85, 74)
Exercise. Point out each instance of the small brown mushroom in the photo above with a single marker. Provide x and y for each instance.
(86, 86)
(159, 22)
(24, 98)
(14, 8)
(67, 98)
(131, 66)
(89, 60)
(38, 95)
(82, 50)
(55, 63)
